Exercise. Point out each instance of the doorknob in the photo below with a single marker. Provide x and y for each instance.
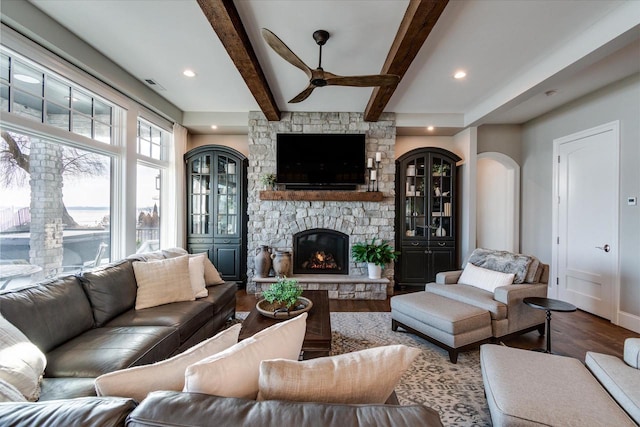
(605, 248)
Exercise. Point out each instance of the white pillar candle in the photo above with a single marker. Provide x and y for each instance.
(378, 156)
(373, 175)
(369, 162)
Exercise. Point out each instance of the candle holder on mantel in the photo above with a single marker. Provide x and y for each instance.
(370, 182)
(378, 178)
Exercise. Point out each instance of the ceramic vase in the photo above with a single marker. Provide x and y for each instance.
(282, 263)
(262, 261)
(375, 271)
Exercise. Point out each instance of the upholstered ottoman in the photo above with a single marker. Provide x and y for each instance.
(450, 324)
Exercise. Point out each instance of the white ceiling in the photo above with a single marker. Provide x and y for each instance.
(513, 51)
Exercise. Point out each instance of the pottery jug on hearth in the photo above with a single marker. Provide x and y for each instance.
(282, 263)
(262, 261)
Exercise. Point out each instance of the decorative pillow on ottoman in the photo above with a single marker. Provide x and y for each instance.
(234, 372)
(366, 376)
(168, 374)
(21, 362)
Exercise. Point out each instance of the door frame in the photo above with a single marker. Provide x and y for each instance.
(613, 127)
(512, 197)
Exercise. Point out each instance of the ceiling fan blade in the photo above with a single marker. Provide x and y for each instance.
(303, 95)
(361, 81)
(284, 51)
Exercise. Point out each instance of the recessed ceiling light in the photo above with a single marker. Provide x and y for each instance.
(551, 92)
(430, 128)
(189, 73)
(26, 79)
(460, 75)
(214, 127)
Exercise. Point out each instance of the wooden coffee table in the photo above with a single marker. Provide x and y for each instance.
(317, 339)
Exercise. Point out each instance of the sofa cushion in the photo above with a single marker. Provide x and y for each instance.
(525, 388)
(50, 312)
(85, 411)
(472, 296)
(621, 380)
(168, 374)
(503, 261)
(161, 282)
(483, 278)
(632, 352)
(186, 317)
(366, 376)
(21, 363)
(107, 349)
(111, 290)
(67, 388)
(220, 295)
(167, 408)
(234, 372)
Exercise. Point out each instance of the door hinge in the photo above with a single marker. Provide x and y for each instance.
(557, 281)
(558, 159)
(558, 240)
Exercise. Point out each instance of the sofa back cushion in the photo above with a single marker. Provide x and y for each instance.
(50, 312)
(111, 290)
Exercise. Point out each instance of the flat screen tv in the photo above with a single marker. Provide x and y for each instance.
(320, 160)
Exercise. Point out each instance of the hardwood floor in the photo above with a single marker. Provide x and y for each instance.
(572, 334)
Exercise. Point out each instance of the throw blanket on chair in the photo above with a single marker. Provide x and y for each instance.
(502, 261)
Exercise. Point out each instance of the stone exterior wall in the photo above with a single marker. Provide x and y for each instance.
(273, 223)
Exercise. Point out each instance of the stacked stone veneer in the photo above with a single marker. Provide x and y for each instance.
(274, 223)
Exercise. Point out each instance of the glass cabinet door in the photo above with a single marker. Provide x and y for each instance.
(441, 197)
(227, 197)
(415, 197)
(199, 197)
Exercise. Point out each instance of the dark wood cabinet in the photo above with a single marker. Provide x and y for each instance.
(425, 215)
(216, 208)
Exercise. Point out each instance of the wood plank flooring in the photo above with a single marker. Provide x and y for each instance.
(572, 334)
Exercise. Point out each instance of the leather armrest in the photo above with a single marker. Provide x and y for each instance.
(448, 277)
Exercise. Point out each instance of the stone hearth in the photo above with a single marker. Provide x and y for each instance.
(339, 287)
(274, 222)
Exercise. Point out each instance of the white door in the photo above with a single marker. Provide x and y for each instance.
(587, 213)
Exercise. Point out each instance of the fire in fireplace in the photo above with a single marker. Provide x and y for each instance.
(320, 251)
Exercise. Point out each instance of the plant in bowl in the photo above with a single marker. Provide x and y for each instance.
(376, 255)
(283, 299)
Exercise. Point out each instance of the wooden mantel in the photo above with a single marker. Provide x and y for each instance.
(322, 195)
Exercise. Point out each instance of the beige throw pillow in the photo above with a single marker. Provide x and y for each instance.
(234, 372)
(161, 282)
(196, 275)
(485, 279)
(9, 393)
(366, 377)
(168, 374)
(211, 275)
(21, 362)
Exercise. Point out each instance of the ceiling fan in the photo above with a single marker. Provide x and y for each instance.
(319, 77)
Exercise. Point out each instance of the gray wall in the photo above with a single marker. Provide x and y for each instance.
(619, 101)
(505, 139)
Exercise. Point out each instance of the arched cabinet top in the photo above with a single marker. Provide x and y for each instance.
(222, 149)
(432, 150)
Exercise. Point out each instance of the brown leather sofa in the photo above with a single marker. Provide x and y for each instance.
(87, 325)
(170, 408)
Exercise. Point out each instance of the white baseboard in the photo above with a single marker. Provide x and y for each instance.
(629, 321)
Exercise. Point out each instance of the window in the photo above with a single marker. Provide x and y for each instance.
(54, 208)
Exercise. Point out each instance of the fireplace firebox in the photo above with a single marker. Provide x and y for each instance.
(320, 251)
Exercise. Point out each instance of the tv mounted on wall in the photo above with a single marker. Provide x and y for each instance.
(320, 161)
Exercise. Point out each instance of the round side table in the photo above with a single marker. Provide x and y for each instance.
(549, 305)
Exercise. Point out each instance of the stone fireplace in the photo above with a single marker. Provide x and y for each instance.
(276, 222)
(320, 251)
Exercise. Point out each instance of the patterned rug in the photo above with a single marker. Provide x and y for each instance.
(456, 391)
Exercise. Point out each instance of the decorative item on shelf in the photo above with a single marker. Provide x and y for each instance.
(269, 181)
(378, 160)
(411, 170)
(283, 300)
(262, 261)
(375, 255)
(281, 262)
(373, 175)
(440, 169)
(437, 192)
(231, 168)
(441, 232)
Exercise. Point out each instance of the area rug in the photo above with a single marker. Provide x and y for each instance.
(455, 391)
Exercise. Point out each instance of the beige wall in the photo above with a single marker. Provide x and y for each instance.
(237, 142)
(505, 139)
(404, 144)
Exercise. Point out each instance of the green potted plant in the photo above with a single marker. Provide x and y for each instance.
(440, 169)
(268, 180)
(283, 299)
(376, 255)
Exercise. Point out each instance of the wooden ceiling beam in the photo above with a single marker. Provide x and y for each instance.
(419, 19)
(225, 21)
